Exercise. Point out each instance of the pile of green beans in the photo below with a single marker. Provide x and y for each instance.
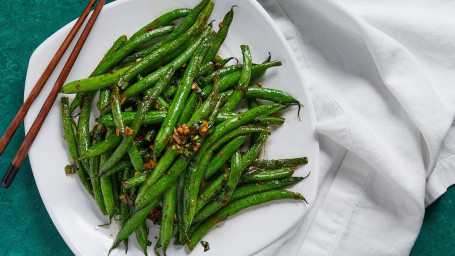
(171, 126)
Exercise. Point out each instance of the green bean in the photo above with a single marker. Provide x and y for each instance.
(179, 210)
(136, 180)
(237, 167)
(135, 157)
(153, 58)
(221, 35)
(212, 191)
(151, 117)
(195, 174)
(220, 72)
(238, 206)
(104, 100)
(163, 20)
(115, 169)
(185, 25)
(146, 33)
(83, 129)
(267, 175)
(191, 103)
(72, 147)
(162, 184)
(264, 120)
(170, 92)
(130, 225)
(229, 80)
(93, 171)
(153, 77)
(115, 192)
(105, 94)
(106, 184)
(267, 120)
(142, 233)
(163, 103)
(143, 107)
(157, 116)
(239, 120)
(245, 76)
(169, 206)
(124, 207)
(147, 196)
(279, 163)
(256, 92)
(93, 83)
(116, 109)
(258, 187)
(74, 129)
(183, 91)
(107, 144)
(217, 185)
(130, 45)
(197, 167)
(224, 154)
(163, 164)
(117, 45)
(203, 111)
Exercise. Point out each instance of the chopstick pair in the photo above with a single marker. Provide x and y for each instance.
(36, 126)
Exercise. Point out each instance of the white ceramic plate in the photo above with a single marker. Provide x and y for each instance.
(73, 211)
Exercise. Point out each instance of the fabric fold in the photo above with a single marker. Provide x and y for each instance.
(382, 103)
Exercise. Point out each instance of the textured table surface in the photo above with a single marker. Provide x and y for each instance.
(25, 226)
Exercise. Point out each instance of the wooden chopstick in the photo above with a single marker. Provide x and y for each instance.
(6, 138)
(36, 126)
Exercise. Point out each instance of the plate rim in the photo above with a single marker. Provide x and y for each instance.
(308, 108)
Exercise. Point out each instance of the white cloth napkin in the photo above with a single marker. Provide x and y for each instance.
(381, 74)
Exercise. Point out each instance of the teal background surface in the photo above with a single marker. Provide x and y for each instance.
(25, 226)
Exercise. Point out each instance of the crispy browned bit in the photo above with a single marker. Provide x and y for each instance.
(195, 87)
(151, 146)
(177, 148)
(77, 86)
(153, 163)
(149, 29)
(122, 98)
(176, 138)
(205, 124)
(216, 219)
(140, 135)
(192, 202)
(221, 24)
(146, 166)
(155, 214)
(111, 72)
(180, 130)
(128, 131)
(222, 154)
(117, 131)
(186, 131)
(227, 169)
(137, 173)
(259, 84)
(196, 148)
(203, 131)
(125, 198)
